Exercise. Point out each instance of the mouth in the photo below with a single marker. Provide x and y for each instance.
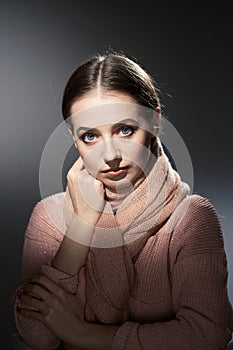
(116, 172)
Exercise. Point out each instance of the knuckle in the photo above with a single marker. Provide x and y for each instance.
(71, 172)
(69, 176)
(35, 289)
(42, 279)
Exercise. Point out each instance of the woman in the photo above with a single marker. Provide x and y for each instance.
(126, 257)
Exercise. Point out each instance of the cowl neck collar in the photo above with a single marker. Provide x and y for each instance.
(143, 211)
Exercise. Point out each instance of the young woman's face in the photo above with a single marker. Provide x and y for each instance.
(112, 138)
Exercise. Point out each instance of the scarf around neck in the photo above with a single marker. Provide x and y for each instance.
(145, 208)
(140, 214)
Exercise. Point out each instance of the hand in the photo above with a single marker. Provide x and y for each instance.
(86, 193)
(60, 311)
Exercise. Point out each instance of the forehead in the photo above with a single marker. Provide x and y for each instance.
(112, 113)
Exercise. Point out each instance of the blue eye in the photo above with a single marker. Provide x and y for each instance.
(88, 137)
(126, 130)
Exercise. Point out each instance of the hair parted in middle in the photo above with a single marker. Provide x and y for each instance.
(107, 73)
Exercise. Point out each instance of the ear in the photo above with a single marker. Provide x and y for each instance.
(158, 112)
(155, 123)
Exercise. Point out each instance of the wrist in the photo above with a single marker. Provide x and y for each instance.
(80, 230)
(95, 336)
(73, 251)
(88, 216)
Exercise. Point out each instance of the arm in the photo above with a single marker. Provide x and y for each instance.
(204, 318)
(71, 255)
(42, 240)
(56, 310)
(110, 272)
(86, 196)
(42, 254)
(110, 277)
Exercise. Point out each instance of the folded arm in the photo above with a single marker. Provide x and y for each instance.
(203, 314)
(42, 241)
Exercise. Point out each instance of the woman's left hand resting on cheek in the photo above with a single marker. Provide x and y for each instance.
(63, 313)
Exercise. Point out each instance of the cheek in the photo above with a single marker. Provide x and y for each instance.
(136, 153)
(92, 160)
(92, 165)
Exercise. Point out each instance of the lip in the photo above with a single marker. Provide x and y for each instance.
(114, 169)
(115, 172)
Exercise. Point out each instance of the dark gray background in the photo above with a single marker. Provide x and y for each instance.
(188, 50)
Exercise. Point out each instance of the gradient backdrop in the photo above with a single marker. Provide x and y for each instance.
(187, 48)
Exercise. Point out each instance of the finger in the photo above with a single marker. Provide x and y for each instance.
(32, 290)
(75, 169)
(86, 173)
(31, 301)
(68, 191)
(78, 164)
(31, 314)
(46, 299)
(46, 284)
(40, 293)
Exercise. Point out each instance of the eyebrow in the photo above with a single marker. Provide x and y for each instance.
(124, 121)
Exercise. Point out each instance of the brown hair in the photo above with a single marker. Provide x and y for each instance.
(110, 72)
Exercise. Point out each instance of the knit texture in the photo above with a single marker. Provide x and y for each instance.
(124, 236)
(172, 278)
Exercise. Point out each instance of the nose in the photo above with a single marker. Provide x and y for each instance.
(111, 153)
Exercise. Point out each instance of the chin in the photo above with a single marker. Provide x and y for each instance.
(122, 182)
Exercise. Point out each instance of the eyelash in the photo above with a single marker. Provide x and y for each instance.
(132, 128)
(84, 136)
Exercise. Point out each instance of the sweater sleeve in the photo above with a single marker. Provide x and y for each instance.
(41, 242)
(203, 314)
(109, 270)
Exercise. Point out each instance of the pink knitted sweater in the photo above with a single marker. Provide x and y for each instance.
(179, 300)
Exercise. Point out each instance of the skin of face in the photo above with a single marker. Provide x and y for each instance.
(114, 146)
